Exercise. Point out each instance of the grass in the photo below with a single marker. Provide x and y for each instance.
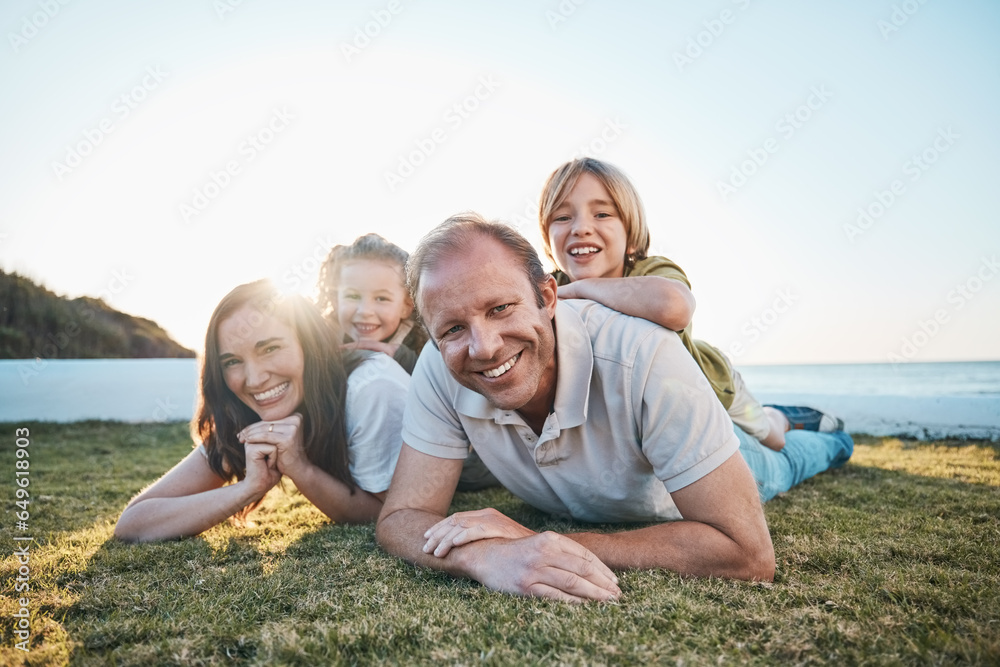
(894, 559)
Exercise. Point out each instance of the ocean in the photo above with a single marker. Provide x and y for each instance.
(923, 400)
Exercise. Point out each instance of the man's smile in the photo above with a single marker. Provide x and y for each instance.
(503, 368)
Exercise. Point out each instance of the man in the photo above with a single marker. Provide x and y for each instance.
(578, 410)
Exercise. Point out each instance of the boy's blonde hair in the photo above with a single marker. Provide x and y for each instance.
(623, 195)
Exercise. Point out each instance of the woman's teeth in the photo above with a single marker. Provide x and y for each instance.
(271, 393)
(497, 372)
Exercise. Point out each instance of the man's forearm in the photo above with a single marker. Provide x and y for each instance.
(401, 533)
(686, 547)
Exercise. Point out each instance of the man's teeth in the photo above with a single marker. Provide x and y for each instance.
(584, 251)
(271, 393)
(497, 372)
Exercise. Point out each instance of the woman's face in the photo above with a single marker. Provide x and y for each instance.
(371, 299)
(262, 362)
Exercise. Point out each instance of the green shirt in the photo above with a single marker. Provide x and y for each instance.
(712, 362)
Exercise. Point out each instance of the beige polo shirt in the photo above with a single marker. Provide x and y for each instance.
(711, 360)
(634, 418)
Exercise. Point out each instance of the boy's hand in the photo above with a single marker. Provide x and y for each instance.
(573, 290)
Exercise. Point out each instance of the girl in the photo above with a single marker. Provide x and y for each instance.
(594, 230)
(278, 398)
(362, 290)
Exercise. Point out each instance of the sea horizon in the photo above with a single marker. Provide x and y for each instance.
(941, 399)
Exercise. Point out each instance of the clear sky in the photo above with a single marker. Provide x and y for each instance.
(826, 173)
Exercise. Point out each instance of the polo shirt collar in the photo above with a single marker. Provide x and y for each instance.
(575, 365)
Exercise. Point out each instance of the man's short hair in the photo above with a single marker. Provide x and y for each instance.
(455, 236)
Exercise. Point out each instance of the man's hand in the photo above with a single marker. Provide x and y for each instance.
(547, 565)
(464, 527)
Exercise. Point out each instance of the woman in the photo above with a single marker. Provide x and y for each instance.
(278, 398)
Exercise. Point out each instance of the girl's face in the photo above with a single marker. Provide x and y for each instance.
(262, 362)
(586, 233)
(371, 299)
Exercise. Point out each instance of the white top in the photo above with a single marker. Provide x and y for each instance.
(634, 418)
(376, 397)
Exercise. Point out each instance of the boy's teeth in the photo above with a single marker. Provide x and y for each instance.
(583, 251)
(497, 372)
(271, 393)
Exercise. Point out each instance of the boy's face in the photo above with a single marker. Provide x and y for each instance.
(586, 233)
(371, 300)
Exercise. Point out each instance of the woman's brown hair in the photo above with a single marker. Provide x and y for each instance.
(221, 415)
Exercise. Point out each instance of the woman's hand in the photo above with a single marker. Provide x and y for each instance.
(285, 436)
(262, 468)
(464, 527)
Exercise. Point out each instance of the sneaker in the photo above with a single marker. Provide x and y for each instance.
(809, 419)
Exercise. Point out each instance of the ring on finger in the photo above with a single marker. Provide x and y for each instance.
(270, 428)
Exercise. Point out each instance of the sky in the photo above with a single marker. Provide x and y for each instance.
(825, 173)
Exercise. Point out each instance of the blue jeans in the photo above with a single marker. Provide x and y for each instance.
(806, 453)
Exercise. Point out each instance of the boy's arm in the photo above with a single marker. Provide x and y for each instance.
(663, 301)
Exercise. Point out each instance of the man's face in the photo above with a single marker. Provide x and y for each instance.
(481, 311)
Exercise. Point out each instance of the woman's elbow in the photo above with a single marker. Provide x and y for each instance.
(126, 532)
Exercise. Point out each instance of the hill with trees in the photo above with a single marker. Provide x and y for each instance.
(37, 323)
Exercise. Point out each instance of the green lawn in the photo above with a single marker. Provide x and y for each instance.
(894, 559)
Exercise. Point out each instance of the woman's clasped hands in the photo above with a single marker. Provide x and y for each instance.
(273, 449)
